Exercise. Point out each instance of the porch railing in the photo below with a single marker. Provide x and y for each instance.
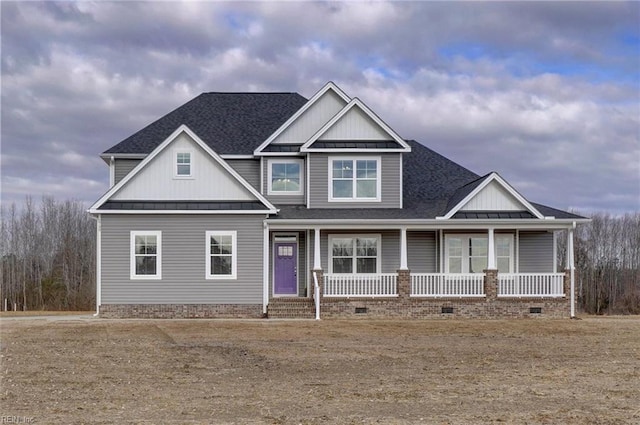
(447, 285)
(531, 284)
(361, 285)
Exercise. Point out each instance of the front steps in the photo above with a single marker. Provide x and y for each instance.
(291, 308)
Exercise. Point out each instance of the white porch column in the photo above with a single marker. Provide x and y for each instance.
(316, 249)
(403, 249)
(571, 267)
(491, 252)
(98, 265)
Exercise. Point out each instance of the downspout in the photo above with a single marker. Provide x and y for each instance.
(265, 267)
(572, 268)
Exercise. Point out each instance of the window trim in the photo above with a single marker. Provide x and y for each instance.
(353, 236)
(234, 254)
(132, 254)
(465, 249)
(354, 198)
(271, 162)
(175, 164)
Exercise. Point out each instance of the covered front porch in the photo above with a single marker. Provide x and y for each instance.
(407, 270)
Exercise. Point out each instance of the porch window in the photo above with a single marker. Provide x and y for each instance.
(469, 253)
(221, 261)
(354, 179)
(146, 258)
(183, 164)
(354, 254)
(285, 177)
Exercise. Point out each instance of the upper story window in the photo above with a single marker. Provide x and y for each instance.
(146, 254)
(354, 179)
(469, 253)
(285, 177)
(183, 164)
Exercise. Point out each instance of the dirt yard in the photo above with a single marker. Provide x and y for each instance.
(81, 370)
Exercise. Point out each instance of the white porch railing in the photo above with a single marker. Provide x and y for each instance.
(531, 284)
(360, 285)
(447, 285)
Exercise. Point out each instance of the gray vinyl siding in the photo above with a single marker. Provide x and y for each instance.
(249, 169)
(319, 182)
(183, 260)
(389, 255)
(283, 199)
(124, 167)
(421, 252)
(535, 252)
(302, 262)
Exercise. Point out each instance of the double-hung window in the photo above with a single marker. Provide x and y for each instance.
(285, 177)
(354, 254)
(222, 255)
(183, 164)
(469, 253)
(354, 179)
(146, 255)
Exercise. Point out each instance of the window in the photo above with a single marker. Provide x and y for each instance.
(221, 261)
(354, 254)
(183, 164)
(469, 253)
(146, 254)
(285, 177)
(354, 179)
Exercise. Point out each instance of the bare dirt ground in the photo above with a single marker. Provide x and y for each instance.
(81, 370)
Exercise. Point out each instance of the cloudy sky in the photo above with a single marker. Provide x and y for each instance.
(545, 93)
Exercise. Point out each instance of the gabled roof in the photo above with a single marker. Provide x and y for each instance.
(228, 123)
(330, 86)
(466, 193)
(355, 103)
(267, 206)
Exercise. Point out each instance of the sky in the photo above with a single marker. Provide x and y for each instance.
(545, 93)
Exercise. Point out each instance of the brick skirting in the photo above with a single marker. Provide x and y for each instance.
(180, 311)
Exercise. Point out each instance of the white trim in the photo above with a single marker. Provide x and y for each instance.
(182, 129)
(354, 179)
(353, 236)
(465, 237)
(294, 154)
(265, 266)
(355, 102)
(516, 252)
(308, 180)
(329, 86)
(227, 156)
(401, 181)
(403, 249)
(234, 254)
(98, 263)
(317, 261)
(441, 249)
(555, 251)
(494, 177)
(270, 164)
(354, 150)
(112, 171)
(106, 156)
(423, 224)
(491, 250)
(273, 262)
(572, 270)
(262, 175)
(206, 212)
(132, 254)
(177, 176)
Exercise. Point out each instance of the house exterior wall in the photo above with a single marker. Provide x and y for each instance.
(183, 261)
(249, 169)
(390, 173)
(536, 252)
(124, 167)
(422, 252)
(283, 199)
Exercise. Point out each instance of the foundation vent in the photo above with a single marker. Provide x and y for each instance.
(447, 310)
(361, 310)
(535, 310)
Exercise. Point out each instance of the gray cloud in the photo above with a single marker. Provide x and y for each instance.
(545, 93)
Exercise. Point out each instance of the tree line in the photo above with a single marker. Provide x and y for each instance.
(48, 259)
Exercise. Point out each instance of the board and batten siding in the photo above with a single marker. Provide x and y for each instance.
(124, 167)
(183, 260)
(390, 173)
(390, 248)
(421, 252)
(249, 169)
(355, 124)
(493, 197)
(535, 252)
(283, 199)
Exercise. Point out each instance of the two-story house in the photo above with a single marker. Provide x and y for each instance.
(269, 204)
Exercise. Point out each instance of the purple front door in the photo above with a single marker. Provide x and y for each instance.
(285, 268)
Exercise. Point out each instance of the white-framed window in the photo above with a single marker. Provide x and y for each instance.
(285, 177)
(183, 164)
(468, 253)
(146, 254)
(354, 179)
(222, 254)
(354, 254)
